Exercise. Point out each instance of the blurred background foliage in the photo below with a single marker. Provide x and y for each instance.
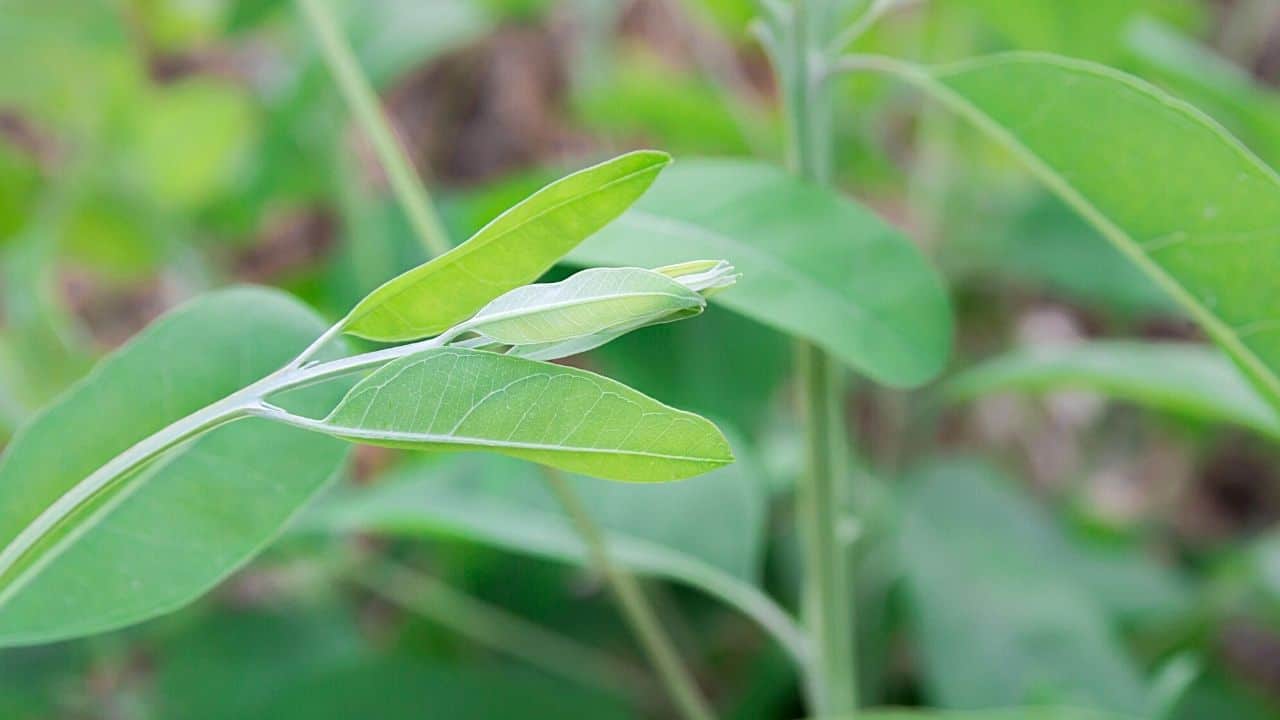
(1054, 549)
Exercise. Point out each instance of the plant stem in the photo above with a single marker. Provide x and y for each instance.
(821, 497)
(635, 607)
(496, 628)
(364, 104)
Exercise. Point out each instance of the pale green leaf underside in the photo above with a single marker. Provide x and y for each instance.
(1192, 380)
(162, 536)
(513, 250)
(588, 303)
(1165, 183)
(813, 264)
(459, 399)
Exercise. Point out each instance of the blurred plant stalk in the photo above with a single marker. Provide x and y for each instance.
(416, 202)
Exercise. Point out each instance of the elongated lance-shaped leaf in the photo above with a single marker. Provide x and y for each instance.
(1188, 204)
(588, 303)
(154, 539)
(1197, 381)
(706, 277)
(458, 399)
(513, 250)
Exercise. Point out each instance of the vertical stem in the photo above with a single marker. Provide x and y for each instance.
(635, 607)
(364, 104)
(821, 498)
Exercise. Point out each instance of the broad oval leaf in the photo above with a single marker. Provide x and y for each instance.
(163, 535)
(591, 302)
(461, 399)
(1173, 190)
(513, 250)
(814, 264)
(1184, 378)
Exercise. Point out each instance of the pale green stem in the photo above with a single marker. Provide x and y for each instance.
(821, 497)
(497, 628)
(364, 104)
(635, 607)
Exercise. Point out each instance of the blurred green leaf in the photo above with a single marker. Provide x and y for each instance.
(511, 251)
(1091, 29)
(647, 99)
(1050, 246)
(174, 528)
(997, 622)
(1212, 82)
(707, 532)
(192, 140)
(1192, 380)
(813, 264)
(459, 399)
(316, 666)
(1045, 713)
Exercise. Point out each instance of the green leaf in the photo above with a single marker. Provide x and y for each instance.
(159, 537)
(1212, 82)
(313, 664)
(1190, 380)
(995, 629)
(1039, 713)
(460, 399)
(600, 300)
(509, 252)
(1168, 186)
(813, 264)
(707, 533)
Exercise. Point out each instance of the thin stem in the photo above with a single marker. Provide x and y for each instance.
(497, 628)
(821, 502)
(635, 607)
(364, 104)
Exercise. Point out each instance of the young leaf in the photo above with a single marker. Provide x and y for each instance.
(706, 277)
(814, 264)
(593, 301)
(513, 250)
(460, 399)
(1192, 380)
(157, 538)
(1168, 186)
